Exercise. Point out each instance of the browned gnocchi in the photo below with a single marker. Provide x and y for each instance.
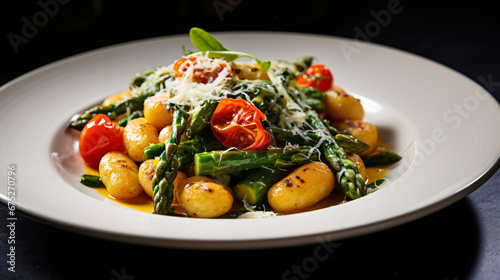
(119, 174)
(117, 97)
(137, 135)
(303, 187)
(156, 112)
(203, 197)
(341, 106)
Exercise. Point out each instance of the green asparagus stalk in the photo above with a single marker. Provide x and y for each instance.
(224, 162)
(91, 181)
(168, 165)
(261, 93)
(136, 114)
(201, 119)
(381, 159)
(185, 152)
(140, 78)
(254, 188)
(347, 173)
(349, 143)
(153, 151)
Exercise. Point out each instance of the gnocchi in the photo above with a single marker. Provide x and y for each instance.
(137, 135)
(156, 112)
(119, 174)
(303, 187)
(248, 71)
(204, 197)
(342, 106)
(117, 97)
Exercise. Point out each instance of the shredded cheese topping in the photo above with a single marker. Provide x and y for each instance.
(187, 91)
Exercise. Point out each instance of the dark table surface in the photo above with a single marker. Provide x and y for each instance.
(461, 241)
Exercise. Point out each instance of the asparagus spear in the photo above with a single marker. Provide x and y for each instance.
(140, 78)
(381, 159)
(254, 188)
(301, 64)
(91, 181)
(261, 93)
(168, 165)
(347, 173)
(134, 115)
(349, 143)
(185, 152)
(201, 119)
(223, 162)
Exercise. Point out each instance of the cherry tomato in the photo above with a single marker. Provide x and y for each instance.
(203, 75)
(99, 136)
(317, 76)
(237, 124)
(177, 66)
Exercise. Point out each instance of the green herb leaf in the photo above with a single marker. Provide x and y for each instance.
(265, 65)
(204, 41)
(228, 55)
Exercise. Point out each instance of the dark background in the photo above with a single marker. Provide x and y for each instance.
(461, 241)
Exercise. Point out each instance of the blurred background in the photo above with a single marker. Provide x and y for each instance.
(454, 33)
(461, 241)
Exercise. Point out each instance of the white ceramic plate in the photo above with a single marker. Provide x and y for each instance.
(444, 125)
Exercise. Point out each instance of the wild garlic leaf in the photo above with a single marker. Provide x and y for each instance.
(204, 41)
(265, 65)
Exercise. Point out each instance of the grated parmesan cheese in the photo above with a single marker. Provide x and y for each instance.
(254, 214)
(186, 91)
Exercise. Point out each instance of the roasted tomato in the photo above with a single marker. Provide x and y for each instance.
(181, 66)
(99, 136)
(206, 73)
(237, 124)
(317, 76)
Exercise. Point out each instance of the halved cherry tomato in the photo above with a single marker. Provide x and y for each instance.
(99, 136)
(177, 66)
(237, 124)
(203, 75)
(317, 76)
